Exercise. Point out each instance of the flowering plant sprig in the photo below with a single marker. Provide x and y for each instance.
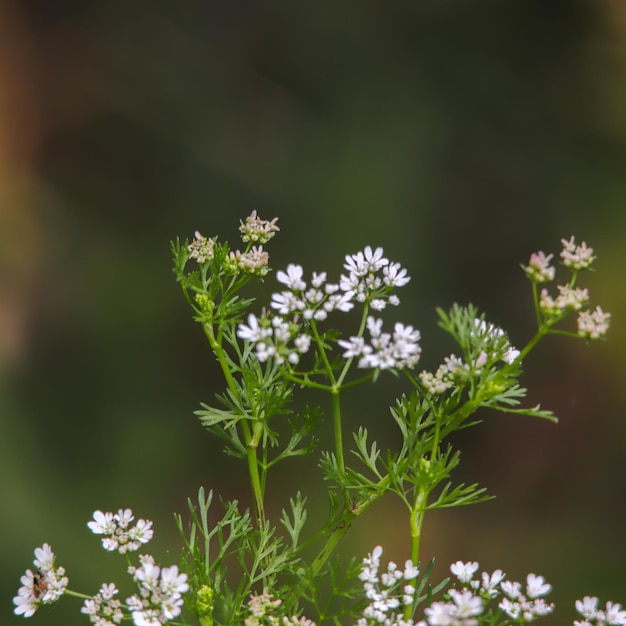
(160, 589)
(243, 566)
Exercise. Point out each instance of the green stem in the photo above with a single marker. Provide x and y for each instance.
(345, 522)
(338, 431)
(76, 594)
(416, 521)
(251, 439)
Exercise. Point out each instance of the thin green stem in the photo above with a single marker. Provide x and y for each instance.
(416, 521)
(251, 439)
(76, 594)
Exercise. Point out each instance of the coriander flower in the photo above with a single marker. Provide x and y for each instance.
(119, 535)
(462, 611)
(528, 606)
(201, 249)
(536, 586)
(43, 586)
(371, 277)
(257, 230)
(493, 342)
(254, 261)
(437, 383)
(253, 331)
(104, 609)
(593, 325)
(464, 571)
(160, 595)
(539, 269)
(397, 350)
(576, 257)
(292, 277)
(611, 615)
(388, 594)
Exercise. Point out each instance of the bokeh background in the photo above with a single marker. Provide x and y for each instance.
(460, 135)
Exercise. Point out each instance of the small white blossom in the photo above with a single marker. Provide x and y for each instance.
(292, 277)
(464, 571)
(253, 331)
(536, 586)
(587, 607)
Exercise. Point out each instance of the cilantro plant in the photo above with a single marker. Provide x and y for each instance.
(249, 568)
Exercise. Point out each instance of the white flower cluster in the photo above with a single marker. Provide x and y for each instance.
(491, 345)
(120, 535)
(257, 230)
(263, 608)
(577, 257)
(254, 260)
(594, 324)
(526, 604)
(611, 615)
(370, 279)
(43, 586)
(388, 593)
(591, 324)
(466, 604)
(201, 249)
(569, 298)
(160, 596)
(104, 609)
(398, 350)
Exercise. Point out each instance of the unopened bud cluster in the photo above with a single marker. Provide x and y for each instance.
(592, 324)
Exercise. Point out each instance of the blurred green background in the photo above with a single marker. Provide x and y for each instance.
(460, 135)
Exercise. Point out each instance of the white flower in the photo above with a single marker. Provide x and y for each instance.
(490, 582)
(102, 524)
(464, 571)
(355, 347)
(253, 332)
(614, 614)
(44, 558)
(512, 589)
(536, 586)
(394, 275)
(587, 607)
(292, 278)
(467, 604)
(286, 302)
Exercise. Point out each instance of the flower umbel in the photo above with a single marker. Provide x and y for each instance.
(120, 536)
(257, 230)
(160, 592)
(45, 585)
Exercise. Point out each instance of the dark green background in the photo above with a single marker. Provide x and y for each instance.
(460, 135)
